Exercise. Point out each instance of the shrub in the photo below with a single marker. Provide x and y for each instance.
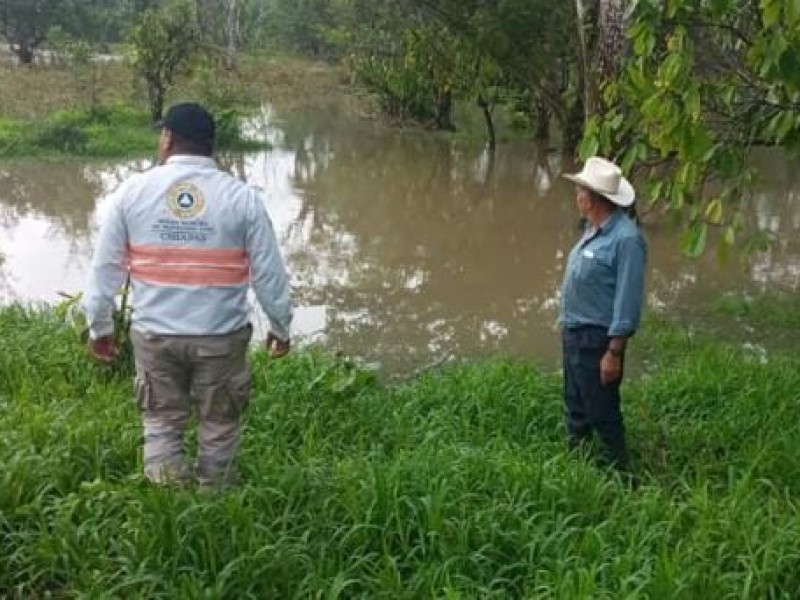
(63, 138)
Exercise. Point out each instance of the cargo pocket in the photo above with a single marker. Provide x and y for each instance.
(239, 392)
(225, 401)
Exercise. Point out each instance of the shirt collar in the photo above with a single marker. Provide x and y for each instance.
(192, 159)
(606, 226)
(611, 221)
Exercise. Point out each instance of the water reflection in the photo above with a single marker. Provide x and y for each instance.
(404, 248)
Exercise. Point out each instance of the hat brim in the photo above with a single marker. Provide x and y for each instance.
(624, 198)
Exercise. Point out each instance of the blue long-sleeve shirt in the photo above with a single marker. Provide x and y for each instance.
(604, 279)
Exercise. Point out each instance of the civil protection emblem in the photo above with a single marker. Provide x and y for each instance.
(185, 201)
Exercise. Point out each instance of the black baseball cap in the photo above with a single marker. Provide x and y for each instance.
(190, 121)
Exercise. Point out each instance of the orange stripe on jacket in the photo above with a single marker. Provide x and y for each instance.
(170, 265)
(189, 255)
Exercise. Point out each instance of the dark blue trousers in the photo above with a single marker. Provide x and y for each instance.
(590, 406)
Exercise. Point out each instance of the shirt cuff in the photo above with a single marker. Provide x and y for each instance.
(621, 330)
(281, 330)
(100, 330)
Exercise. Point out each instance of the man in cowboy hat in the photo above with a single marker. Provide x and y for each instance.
(601, 303)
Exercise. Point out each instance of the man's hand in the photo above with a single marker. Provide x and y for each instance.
(610, 369)
(104, 349)
(279, 347)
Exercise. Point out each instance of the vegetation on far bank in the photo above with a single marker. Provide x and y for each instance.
(104, 112)
(103, 133)
(454, 484)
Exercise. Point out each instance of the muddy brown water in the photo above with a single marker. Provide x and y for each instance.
(405, 249)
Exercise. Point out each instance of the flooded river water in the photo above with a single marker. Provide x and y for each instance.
(405, 249)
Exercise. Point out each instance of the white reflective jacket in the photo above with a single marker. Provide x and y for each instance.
(194, 239)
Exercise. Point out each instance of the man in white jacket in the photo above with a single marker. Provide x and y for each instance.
(193, 240)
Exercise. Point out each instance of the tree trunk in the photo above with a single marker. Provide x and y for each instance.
(601, 31)
(23, 51)
(206, 19)
(610, 40)
(491, 135)
(155, 93)
(542, 131)
(232, 34)
(586, 31)
(572, 127)
(602, 35)
(444, 111)
(491, 163)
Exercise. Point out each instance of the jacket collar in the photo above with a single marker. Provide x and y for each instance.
(193, 160)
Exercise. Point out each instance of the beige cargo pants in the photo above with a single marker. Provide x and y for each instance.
(172, 374)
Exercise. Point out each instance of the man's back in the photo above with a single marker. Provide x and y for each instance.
(194, 238)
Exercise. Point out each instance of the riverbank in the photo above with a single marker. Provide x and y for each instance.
(101, 110)
(455, 482)
(106, 132)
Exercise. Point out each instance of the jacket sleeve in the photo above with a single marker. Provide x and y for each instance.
(108, 270)
(267, 271)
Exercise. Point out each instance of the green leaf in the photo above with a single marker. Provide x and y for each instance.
(644, 42)
(781, 125)
(714, 211)
(677, 196)
(770, 12)
(721, 7)
(692, 103)
(656, 190)
(672, 8)
(789, 67)
(615, 122)
(589, 146)
(695, 239)
(672, 68)
(730, 235)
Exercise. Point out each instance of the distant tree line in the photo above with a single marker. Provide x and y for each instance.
(678, 91)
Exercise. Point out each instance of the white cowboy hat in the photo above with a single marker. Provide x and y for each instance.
(605, 178)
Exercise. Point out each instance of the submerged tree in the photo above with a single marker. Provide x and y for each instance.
(219, 25)
(25, 23)
(165, 40)
(518, 52)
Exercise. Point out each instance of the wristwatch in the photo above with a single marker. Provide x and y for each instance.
(616, 352)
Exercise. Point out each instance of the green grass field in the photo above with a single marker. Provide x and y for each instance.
(455, 484)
